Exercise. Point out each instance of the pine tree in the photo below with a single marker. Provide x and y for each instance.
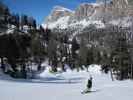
(82, 56)
(52, 54)
(24, 20)
(121, 57)
(31, 22)
(75, 47)
(90, 58)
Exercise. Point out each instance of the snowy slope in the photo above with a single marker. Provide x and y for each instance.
(57, 13)
(61, 23)
(65, 90)
(64, 22)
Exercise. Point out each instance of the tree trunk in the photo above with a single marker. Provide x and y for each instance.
(111, 73)
(87, 68)
(131, 71)
(2, 64)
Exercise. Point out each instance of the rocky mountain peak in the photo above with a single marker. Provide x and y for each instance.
(58, 12)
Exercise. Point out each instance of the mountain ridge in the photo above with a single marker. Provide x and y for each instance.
(86, 14)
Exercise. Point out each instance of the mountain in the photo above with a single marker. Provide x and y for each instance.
(86, 14)
(62, 18)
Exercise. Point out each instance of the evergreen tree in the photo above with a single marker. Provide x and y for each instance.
(82, 56)
(24, 20)
(32, 22)
(52, 54)
(75, 47)
(121, 57)
(90, 59)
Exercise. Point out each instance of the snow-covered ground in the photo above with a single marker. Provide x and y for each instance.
(66, 86)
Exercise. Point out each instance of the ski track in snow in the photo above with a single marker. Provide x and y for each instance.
(66, 86)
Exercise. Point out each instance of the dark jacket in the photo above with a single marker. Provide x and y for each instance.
(89, 84)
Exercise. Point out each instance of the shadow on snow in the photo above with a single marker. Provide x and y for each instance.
(52, 80)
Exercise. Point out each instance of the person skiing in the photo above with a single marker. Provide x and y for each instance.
(89, 84)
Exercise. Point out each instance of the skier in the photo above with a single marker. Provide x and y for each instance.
(89, 84)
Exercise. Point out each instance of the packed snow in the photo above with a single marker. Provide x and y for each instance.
(66, 86)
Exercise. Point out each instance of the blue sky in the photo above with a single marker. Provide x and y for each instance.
(39, 9)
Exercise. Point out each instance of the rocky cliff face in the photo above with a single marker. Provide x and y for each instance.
(87, 14)
(86, 10)
(123, 7)
(61, 17)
